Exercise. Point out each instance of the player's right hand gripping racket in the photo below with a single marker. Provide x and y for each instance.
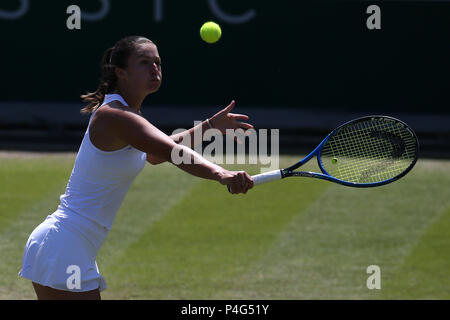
(365, 152)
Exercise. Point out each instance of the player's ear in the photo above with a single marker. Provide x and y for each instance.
(120, 73)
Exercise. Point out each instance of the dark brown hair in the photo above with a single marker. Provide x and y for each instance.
(116, 56)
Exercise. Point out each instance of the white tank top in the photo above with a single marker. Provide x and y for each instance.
(99, 180)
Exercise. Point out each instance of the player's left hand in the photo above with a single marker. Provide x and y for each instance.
(223, 120)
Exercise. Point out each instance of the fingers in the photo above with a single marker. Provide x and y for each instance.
(249, 180)
(241, 183)
(230, 106)
(235, 117)
(245, 125)
(238, 116)
(225, 120)
(241, 125)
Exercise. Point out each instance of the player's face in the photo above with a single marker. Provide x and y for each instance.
(144, 69)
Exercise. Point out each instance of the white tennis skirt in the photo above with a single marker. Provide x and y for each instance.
(61, 253)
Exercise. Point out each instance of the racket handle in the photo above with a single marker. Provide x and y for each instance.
(265, 177)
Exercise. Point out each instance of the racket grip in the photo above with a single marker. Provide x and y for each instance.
(264, 177)
(267, 177)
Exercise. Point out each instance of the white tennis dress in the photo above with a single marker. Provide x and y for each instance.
(61, 252)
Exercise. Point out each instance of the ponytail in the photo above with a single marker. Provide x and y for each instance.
(107, 84)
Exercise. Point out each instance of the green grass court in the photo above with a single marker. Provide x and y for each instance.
(180, 237)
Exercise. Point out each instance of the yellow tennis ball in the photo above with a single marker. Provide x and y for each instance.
(334, 160)
(210, 32)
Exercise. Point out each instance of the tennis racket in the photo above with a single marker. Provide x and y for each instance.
(365, 152)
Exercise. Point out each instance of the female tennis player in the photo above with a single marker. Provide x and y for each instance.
(60, 254)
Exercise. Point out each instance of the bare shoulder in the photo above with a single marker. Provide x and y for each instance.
(110, 122)
(114, 108)
(116, 113)
(115, 126)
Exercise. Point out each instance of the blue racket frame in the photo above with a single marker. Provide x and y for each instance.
(288, 172)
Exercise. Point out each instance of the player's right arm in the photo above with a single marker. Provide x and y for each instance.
(138, 132)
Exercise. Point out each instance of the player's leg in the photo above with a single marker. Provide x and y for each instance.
(47, 293)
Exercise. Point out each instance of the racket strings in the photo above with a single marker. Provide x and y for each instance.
(369, 151)
(368, 155)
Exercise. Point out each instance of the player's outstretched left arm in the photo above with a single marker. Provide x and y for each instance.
(221, 121)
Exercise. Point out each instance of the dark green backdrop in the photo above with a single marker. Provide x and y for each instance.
(291, 54)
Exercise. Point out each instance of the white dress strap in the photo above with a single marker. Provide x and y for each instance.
(112, 97)
(109, 98)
